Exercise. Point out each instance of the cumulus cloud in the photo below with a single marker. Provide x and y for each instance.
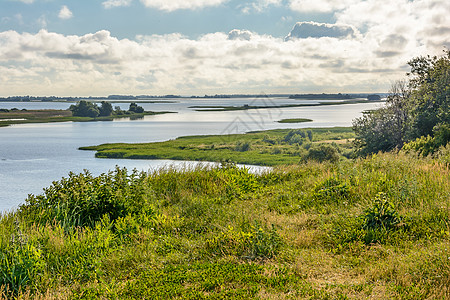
(173, 5)
(397, 25)
(65, 13)
(365, 50)
(304, 30)
(115, 3)
(176, 64)
(237, 34)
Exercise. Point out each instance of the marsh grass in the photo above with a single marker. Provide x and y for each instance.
(375, 227)
(268, 148)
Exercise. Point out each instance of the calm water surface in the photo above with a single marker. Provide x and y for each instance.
(34, 155)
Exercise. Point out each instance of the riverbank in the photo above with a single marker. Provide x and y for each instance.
(266, 148)
(15, 116)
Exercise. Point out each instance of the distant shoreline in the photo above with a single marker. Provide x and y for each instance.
(15, 117)
(212, 108)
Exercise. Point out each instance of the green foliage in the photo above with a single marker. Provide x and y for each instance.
(323, 152)
(82, 200)
(377, 224)
(427, 145)
(21, 263)
(136, 108)
(85, 109)
(257, 243)
(344, 230)
(105, 109)
(332, 190)
(268, 148)
(380, 219)
(89, 109)
(242, 146)
(415, 109)
(297, 137)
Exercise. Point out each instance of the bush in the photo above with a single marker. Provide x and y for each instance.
(322, 152)
(375, 225)
(82, 200)
(242, 146)
(297, 137)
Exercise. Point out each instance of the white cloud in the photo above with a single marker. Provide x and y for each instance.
(304, 30)
(26, 1)
(65, 13)
(213, 63)
(365, 50)
(323, 6)
(172, 5)
(116, 3)
(237, 34)
(259, 5)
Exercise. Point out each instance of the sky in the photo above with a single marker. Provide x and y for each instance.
(197, 47)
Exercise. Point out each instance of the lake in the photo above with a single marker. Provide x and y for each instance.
(32, 156)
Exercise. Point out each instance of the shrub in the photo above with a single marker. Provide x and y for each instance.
(82, 200)
(375, 225)
(242, 146)
(296, 137)
(322, 152)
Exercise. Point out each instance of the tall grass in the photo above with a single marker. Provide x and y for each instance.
(374, 227)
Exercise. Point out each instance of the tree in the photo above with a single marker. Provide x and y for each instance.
(85, 109)
(415, 108)
(105, 109)
(430, 105)
(384, 129)
(136, 108)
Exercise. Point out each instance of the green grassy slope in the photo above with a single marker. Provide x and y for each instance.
(374, 228)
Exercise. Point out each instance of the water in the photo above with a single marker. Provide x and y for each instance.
(34, 155)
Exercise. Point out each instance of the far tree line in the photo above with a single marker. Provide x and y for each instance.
(92, 110)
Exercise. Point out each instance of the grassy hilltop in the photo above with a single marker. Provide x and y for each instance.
(375, 227)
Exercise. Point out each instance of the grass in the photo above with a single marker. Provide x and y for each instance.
(298, 120)
(375, 227)
(50, 115)
(269, 148)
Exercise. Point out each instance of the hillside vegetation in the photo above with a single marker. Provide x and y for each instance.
(375, 227)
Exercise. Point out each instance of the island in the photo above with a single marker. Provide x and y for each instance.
(83, 111)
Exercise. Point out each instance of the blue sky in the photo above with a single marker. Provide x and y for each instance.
(137, 19)
(85, 47)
